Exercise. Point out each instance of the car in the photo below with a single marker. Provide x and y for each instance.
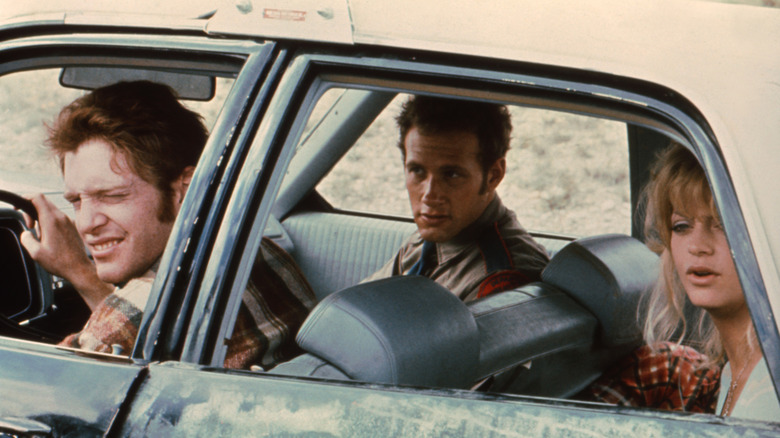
(299, 97)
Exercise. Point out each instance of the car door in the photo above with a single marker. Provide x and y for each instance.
(198, 396)
(56, 391)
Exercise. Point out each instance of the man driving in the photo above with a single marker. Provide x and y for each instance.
(466, 240)
(127, 153)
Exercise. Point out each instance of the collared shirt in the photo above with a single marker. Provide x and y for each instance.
(663, 376)
(277, 300)
(461, 265)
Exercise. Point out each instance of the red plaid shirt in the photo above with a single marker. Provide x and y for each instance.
(274, 305)
(665, 376)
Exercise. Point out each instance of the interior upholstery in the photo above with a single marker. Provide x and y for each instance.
(526, 323)
(400, 330)
(335, 251)
(554, 337)
(606, 275)
(551, 338)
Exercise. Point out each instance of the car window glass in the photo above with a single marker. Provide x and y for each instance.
(566, 173)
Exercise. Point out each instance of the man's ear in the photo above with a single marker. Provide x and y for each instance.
(182, 183)
(495, 174)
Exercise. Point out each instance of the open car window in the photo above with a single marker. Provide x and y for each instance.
(32, 99)
(566, 173)
(575, 169)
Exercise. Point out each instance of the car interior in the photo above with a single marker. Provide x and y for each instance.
(39, 306)
(550, 338)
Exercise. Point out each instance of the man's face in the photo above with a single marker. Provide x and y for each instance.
(444, 179)
(117, 213)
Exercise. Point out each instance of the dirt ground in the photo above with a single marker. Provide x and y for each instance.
(565, 173)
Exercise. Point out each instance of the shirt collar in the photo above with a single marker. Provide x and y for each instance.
(469, 235)
(151, 273)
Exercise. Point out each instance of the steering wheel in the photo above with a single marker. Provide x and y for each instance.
(20, 203)
(7, 325)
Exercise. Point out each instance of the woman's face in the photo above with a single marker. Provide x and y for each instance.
(703, 261)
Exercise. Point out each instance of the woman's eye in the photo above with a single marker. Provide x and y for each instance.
(680, 227)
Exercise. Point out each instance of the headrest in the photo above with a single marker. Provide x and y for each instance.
(606, 275)
(399, 330)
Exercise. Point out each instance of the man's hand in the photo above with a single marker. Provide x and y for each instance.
(60, 251)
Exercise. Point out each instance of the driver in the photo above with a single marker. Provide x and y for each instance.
(127, 154)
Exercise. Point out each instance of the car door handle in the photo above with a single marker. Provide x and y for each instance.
(23, 427)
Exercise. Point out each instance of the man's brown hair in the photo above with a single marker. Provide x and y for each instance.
(491, 123)
(143, 120)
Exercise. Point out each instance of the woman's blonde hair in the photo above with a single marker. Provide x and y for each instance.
(677, 184)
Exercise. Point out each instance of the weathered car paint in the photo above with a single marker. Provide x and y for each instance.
(74, 393)
(176, 400)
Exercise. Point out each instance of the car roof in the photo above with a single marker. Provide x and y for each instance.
(171, 8)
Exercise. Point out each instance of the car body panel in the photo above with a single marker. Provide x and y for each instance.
(308, 20)
(73, 392)
(176, 401)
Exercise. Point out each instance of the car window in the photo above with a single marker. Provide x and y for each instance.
(31, 101)
(566, 173)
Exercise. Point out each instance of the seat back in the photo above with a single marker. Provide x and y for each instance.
(399, 330)
(336, 251)
(607, 275)
(554, 337)
(526, 323)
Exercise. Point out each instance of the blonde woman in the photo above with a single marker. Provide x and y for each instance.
(684, 228)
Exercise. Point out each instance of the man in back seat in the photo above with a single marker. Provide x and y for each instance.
(467, 240)
(127, 154)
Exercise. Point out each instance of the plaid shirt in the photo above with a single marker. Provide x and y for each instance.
(664, 376)
(277, 300)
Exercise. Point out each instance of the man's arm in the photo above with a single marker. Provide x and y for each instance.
(61, 252)
(113, 325)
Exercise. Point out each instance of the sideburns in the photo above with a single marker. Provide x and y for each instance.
(484, 187)
(165, 211)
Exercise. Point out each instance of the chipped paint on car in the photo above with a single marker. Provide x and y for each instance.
(177, 401)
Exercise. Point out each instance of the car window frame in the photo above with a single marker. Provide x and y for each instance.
(171, 312)
(191, 54)
(649, 106)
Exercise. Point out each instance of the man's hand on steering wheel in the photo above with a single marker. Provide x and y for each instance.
(60, 251)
